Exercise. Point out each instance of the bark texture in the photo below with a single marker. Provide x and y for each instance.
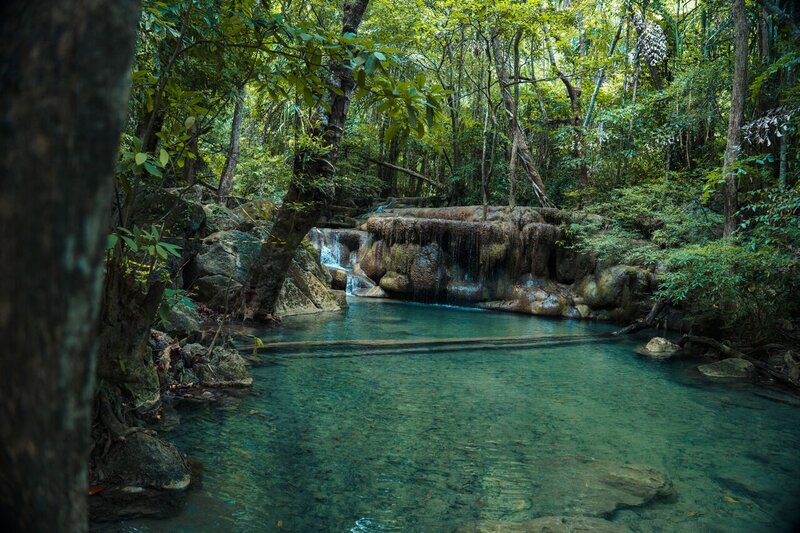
(63, 66)
(736, 115)
(226, 181)
(310, 191)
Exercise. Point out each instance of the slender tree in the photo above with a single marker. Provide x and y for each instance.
(63, 86)
(232, 159)
(736, 114)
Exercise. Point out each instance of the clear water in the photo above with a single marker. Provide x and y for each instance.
(423, 442)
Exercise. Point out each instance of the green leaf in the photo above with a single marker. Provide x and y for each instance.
(130, 243)
(379, 56)
(111, 241)
(153, 170)
(189, 122)
(140, 158)
(161, 251)
(163, 157)
(371, 65)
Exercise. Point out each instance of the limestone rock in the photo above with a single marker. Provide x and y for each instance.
(223, 265)
(394, 282)
(225, 368)
(546, 524)
(182, 320)
(728, 368)
(340, 297)
(220, 218)
(659, 348)
(427, 275)
(338, 278)
(372, 292)
(372, 263)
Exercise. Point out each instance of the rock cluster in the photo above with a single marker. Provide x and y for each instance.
(514, 260)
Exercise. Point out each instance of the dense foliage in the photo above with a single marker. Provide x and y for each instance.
(619, 107)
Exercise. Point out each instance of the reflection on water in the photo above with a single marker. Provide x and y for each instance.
(427, 441)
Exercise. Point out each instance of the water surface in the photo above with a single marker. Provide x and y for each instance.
(337, 439)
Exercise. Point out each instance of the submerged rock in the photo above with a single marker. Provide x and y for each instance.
(728, 368)
(659, 348)
(546, 524)
(598, 488)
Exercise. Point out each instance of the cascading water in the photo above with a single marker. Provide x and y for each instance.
(341, 250)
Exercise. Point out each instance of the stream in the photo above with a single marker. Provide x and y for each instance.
(361, 439)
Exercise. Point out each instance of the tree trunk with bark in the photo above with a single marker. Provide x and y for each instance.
(64, 68)
(228, 171)
(736, 116)
(305, 199)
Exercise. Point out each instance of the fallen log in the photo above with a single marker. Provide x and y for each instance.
(430, 349)
(295, 345)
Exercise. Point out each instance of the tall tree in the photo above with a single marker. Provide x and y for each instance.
(63, 66)
(311, 188)
(232, 159)
(736, 114)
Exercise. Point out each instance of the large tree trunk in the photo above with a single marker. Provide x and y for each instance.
(736, 116)
(226, 181)
(64, 67)
(305, 200)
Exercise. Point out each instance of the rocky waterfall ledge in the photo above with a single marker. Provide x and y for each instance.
(515, 260)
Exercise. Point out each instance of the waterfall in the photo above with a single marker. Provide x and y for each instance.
(341, 249)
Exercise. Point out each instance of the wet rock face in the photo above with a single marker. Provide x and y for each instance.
(455, 254)
(427, 275)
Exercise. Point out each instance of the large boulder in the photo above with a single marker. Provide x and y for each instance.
(732, 368)
(225, 368)
(395, 282)
(546, 524)
(220, 218)
(182, 320)
(222, 269)
(372, 263)
(659, 348)
(144, 461)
